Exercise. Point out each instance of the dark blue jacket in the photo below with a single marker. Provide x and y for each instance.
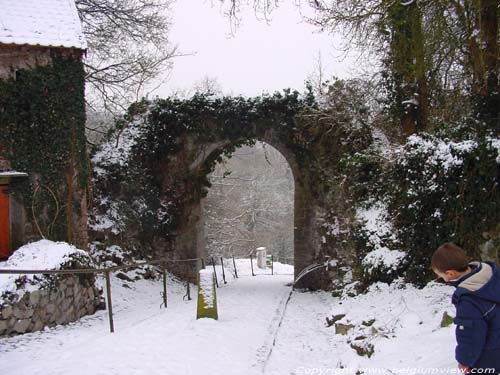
(477, 300)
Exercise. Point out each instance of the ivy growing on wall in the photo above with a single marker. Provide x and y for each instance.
(236, 119)
(317, 139)
(42, 117)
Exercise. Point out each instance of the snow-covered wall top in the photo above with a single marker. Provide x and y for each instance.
(40, 255)
(48, 23)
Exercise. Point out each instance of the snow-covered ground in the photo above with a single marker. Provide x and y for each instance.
(257, 332)
(408, 337)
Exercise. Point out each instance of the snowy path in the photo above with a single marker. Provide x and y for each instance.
(153, 341)
(303, 341)
(255, 333)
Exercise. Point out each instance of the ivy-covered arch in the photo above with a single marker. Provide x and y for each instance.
(174, 144)
(219, 127)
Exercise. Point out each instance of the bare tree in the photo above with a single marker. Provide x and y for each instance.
(250, 204)
(233, 9)
(128, 47)
(97, 126)
(208, 86)
(317, 78)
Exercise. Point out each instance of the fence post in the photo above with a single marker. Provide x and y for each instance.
(203, 263)
(164, 286)
(235, 270)
(272, 264)
(251, 264)
(188, 291)
(215, 272)
(110, 304)
(223, 272)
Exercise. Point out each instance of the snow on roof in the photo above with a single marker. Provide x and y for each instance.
(48, 23)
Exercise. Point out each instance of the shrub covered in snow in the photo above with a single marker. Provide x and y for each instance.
(380, 259)
(383, 262)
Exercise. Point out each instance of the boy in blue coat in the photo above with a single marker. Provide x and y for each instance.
(476, 299)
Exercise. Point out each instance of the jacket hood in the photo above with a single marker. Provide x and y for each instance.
(482, 282)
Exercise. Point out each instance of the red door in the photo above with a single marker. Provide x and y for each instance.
(5, 250)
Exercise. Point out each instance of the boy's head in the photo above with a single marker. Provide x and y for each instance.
(449, 262)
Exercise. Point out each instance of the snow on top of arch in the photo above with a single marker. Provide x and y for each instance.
(48, 23)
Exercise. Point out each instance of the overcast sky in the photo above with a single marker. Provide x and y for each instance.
(258, 58)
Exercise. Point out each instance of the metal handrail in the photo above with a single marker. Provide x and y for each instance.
(107, 271)
(96, 270)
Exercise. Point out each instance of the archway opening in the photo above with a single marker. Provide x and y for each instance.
(250, 204)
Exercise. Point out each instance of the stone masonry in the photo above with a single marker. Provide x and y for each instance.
(67, 302)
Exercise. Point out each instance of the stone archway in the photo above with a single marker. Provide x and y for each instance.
(172, 145)
(189, 242)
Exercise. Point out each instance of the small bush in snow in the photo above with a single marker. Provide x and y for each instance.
(377, 250)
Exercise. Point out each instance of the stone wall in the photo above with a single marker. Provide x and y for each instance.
(16, 57)
(66, 302)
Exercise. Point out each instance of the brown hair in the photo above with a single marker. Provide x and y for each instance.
(449, 256)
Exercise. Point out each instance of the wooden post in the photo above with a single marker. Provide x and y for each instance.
(235, 270)
(165, 287)
(215, 273)
(223, 272)
(110, 304)
(188, 290)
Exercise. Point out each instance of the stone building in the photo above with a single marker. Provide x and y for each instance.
(42, 119)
